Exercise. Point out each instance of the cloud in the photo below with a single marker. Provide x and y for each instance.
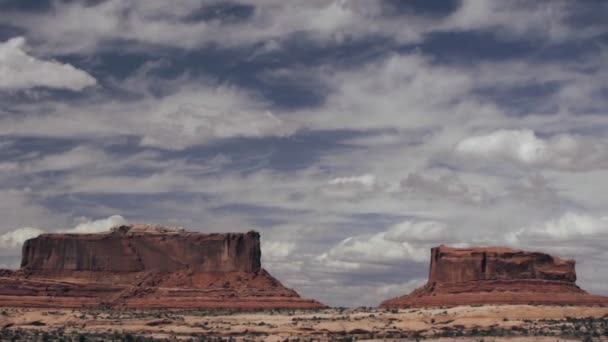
(15, 239)
(513, 18)
(350, 188)
(22, 71)
(21, 207)
(185, 111)
(12, 241)
(367, 181)
(521, 146)
(447, 186)
(191, 122)
(79, 157)
(392, 93)
(573, 229)
(77, 27)
(276, 250)
(524, 147)
(97, 226)
(184, 114)
(401, 243)
(417, 232)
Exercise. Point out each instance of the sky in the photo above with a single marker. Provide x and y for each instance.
(353, 135)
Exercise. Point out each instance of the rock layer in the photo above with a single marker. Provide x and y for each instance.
(496, 275)
(130, 250)
(145, 266)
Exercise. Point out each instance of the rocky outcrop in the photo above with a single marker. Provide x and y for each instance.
(145, 266)
(130, 250)
(459, 265)
(496, 275)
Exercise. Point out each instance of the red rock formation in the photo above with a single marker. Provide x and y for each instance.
(145, 266)
(496, 275)
(127, 250)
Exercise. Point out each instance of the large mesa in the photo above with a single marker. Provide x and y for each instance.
(496, 275)
(146, 266)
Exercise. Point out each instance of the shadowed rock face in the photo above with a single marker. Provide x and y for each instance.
(145, 266)
(124, 250)
(496, 275)
(457, 265)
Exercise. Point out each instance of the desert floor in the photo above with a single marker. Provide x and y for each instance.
(467, 323)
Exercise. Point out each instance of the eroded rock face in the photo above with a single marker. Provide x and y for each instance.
(145, 266)
(132, 250)
(457, 265)
(496, 275)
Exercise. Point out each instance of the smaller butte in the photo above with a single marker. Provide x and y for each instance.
(496, 275)
(146, 266)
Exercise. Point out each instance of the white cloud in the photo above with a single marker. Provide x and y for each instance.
(393, 94)
(15, 239)
(368, 181)
(349, 188)
(77, 27)
(193, 114)
(78, 157)
(189, 113)
(562, 151)
(570, 228)
(19, 208)
(522, 146)
(541, 19)
(404, 242)
(417, 232)
(97, 226)
(12, 241)
(446, 186)
(179, 125)
(276, 250)
(20, 70)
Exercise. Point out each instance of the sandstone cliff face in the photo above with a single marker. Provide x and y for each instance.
(496, 275)
(146, 266)
(124, 250)
(457, 265)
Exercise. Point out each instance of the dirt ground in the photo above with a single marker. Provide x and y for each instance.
(466, 323)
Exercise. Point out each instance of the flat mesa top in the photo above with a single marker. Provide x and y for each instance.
(147, 229)
(489, 249)
(464, 251)
(150, 229)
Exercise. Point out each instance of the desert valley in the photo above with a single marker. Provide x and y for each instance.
(303, 170)
(148, 283)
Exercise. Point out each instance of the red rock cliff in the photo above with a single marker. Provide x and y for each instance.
(127, 250)
(145, 266)
(496, 275)
(457, 265)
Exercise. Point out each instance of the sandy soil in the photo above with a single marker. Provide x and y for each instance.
(466, 323)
